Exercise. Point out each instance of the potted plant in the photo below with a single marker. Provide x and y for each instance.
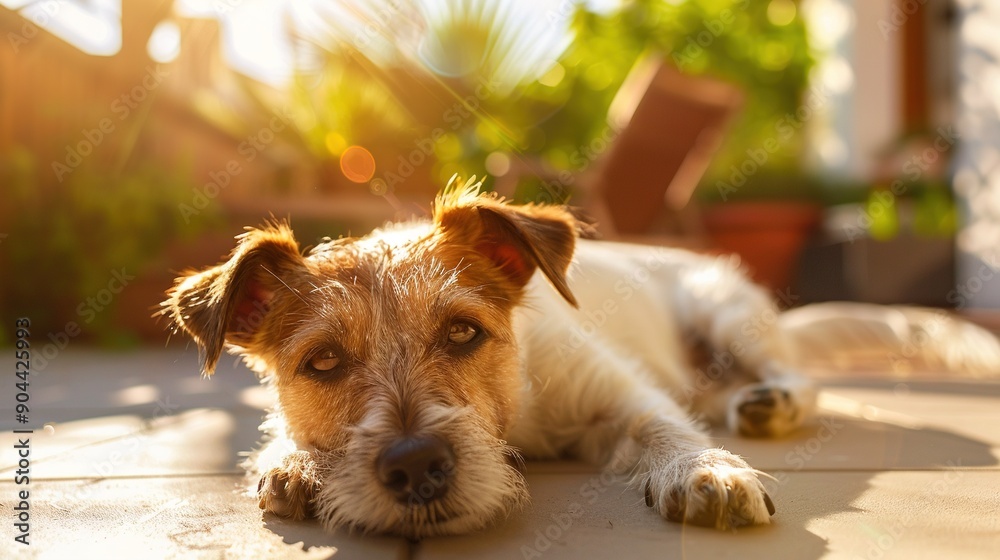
(766, 219)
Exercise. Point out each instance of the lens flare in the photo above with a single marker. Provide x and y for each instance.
(357, 164)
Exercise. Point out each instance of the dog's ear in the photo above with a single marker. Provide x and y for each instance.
(515, 239)
(228, 302)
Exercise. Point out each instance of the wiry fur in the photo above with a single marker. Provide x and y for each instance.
(591, 360)
(486, 483)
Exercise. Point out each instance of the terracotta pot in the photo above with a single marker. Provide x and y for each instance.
(768, 236)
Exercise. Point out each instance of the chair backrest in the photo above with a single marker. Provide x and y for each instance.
(666, 142)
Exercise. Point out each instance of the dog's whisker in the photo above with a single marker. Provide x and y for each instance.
(285, 284)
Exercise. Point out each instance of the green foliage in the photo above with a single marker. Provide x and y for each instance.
(730, 39)
(65, 239)
(559, 112)
(929, 204)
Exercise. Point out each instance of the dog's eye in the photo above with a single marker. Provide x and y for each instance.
(461, 333)
(324, 361)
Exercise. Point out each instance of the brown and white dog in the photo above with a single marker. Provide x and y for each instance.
(414, 366)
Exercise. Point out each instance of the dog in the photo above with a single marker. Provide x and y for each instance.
(414, 367)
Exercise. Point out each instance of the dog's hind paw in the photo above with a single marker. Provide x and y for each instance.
(711, 488)
(765, 410)
(287, 491)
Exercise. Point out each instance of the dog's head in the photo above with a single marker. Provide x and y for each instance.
(393, 355)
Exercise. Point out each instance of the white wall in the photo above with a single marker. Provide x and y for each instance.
(977, 174)
(859, 53)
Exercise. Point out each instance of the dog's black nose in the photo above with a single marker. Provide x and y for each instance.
(416, 469)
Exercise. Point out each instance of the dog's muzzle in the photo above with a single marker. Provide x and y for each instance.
(416, 470)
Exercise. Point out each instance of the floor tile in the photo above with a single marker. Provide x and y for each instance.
(201, 441)
(141, 454)
(200, 517)
(100, 414)
(870, 428)
(820, 515)
(60, 438)
(144, 381)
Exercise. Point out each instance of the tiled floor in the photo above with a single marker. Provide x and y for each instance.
(138, 460)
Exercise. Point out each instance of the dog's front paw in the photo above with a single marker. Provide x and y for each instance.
(765, 410)
(288, 491)
(712, 488)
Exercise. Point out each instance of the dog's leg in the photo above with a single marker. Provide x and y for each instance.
(688, 481)
(625, 422)
(289, 477)
(288, 490)
(739, 323)
(682, 476)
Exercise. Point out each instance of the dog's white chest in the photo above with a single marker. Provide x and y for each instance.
(626, 314)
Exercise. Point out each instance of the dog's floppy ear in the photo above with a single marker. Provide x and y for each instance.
(515, 239)
(228, 302)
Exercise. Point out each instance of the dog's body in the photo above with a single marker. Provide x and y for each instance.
(414, 364)
(664, 323)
